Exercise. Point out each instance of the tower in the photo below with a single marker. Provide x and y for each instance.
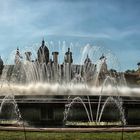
(43, 53)
(28, 56)
(103, 68)
(87, 60)
(17, 56)
(68, 56)
(103, 72)
(87, 64)
(67, 65)
(55, 66)
(55, 57)
(89, 70)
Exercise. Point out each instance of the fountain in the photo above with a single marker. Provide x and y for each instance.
(50, 91)
(109, 100)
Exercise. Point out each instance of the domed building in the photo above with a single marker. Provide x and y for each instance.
(43, 53)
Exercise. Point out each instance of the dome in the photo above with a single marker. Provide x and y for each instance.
(43, 53)
(43, 48)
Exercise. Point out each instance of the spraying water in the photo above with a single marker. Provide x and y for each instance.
(44, 76)
(57, 89)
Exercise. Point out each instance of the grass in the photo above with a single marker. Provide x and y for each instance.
(16, 135)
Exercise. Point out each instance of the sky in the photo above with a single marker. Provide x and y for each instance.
(111, 24)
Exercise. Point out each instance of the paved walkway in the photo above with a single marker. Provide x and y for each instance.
(61, 130)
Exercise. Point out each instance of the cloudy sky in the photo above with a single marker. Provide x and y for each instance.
(112, 24)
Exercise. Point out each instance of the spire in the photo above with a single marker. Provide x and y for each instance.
(43, 53)
(87, 60)
(43, 42)
(102, 57)
(68, 56)
(68, 49)
(17, 56)
(17, 52)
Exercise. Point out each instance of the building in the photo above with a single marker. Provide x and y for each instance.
(44, 109)
(43, 53)
(44, 69)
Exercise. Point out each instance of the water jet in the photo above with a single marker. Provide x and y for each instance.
(48, 92)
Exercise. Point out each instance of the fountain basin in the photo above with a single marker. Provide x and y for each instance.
(46, 110)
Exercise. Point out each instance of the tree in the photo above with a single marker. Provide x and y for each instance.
(130, 71)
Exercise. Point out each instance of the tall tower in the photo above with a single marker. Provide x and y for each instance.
(68, 56)
(28, 56)
(87, 68)
(89, 71)
(103, 68)
(17, 56)
(67, 65)
(55, 66)
(55, 57)
(43, 53)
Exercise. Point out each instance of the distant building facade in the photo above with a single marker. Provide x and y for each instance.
(49, 70)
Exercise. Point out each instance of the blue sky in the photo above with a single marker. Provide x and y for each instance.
(112, 24)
